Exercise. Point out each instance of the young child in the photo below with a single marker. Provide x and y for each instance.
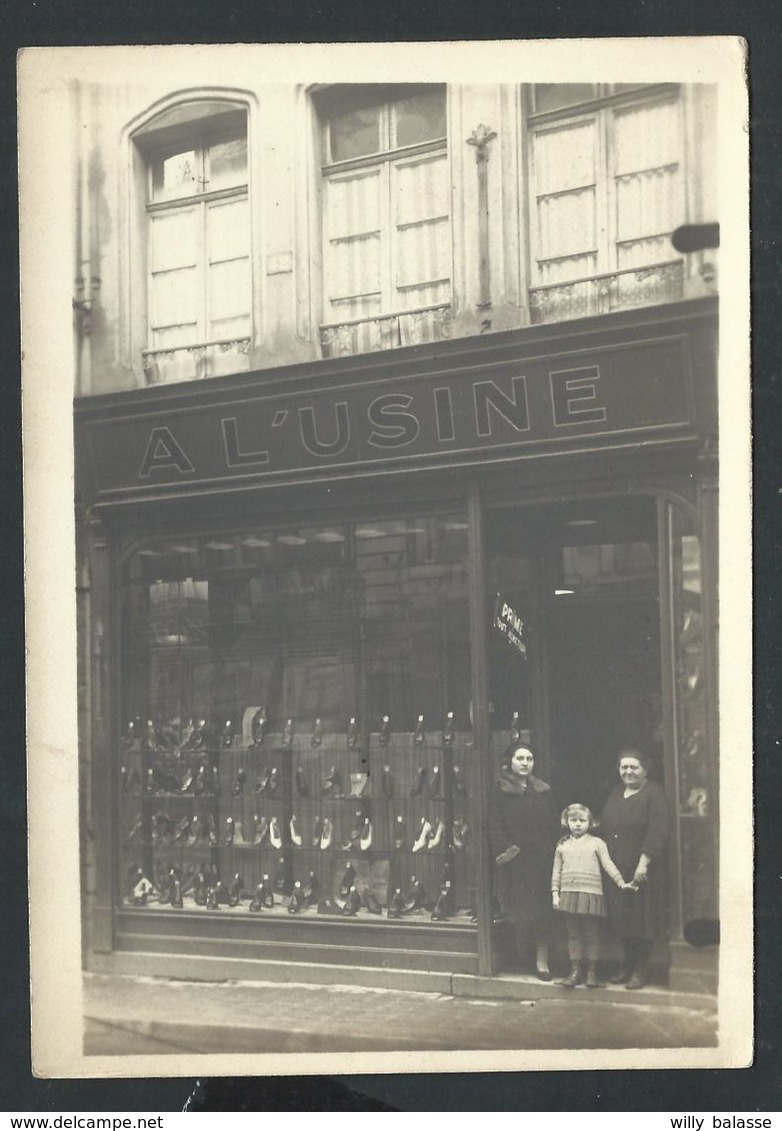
(577, 890)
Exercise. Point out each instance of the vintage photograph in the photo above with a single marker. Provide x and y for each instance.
(389, 693)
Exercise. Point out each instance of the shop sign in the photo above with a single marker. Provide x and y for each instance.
(212, 436)
(509, 623)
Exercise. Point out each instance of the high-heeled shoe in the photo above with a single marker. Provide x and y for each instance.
(327, 834)
(437, 837)
(365, 837)
(275, 836)
(294, 831)
(424, 836)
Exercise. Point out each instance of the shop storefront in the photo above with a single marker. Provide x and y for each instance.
(325, 598)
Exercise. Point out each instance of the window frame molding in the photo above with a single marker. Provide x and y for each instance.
(138, 139)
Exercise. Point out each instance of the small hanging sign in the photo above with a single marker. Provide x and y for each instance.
(510, 624)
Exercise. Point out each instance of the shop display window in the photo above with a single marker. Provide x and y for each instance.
(295, 733)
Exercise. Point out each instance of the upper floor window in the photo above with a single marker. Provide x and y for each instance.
(386, 218)
(607, 189)
(198, 280)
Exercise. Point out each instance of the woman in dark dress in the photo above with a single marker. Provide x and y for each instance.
(634, 824)
(524, 828)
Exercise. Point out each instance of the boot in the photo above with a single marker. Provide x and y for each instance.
(541, 963)
(640, 974)
(591, 978)
(626, 966)
(575, 977)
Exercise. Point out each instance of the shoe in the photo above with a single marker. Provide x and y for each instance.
(296, 901)
(135, 830)
(259, 725)
(273, 782)
(435, 782)
(317, 734)
(199, 783)
(238, 833)
(312, 890)
(515, 728)
(444, 907)
(419, 734)
(621, 975)
(256, 903)
(176, 893)
(418, 782)
(458, 785)
(388, 783)
(639, 978)
(240, 784)
(327, 834)
(200, 888)
(301, 783)
(294, 830)
(348, 880)
(262, 784)
(332, 784)
(215, 782)
(275, 836)
(399, 832)
(228, 735)
(150, 784)
(424, 835)
(352, 902)
(370, 902)
(230, 830)
(396, 905)
(461, 831)
(210, 830)
(384, 737)
(261, 829)
(265, 891)
(543, 975)
(280, 883)
(365, 839)
(358, 784)
(212, 901)
(352, 734)
(449, 730)
(287, 735)
(437, 839)
(591, 978)
(355, 832)
(574, 978)
(235, 890)
(317, 829)
(416, 896)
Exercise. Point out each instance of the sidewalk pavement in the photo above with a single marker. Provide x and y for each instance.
(133, 1014)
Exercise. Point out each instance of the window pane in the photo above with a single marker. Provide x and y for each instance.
(175, 176)
(552, 96)
(228, 230)
(355, 133)
(227, 164)
(420, 118)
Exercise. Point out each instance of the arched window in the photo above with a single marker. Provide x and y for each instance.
(193, 217)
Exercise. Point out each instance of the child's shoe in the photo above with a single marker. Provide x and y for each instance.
(575, 977)
(591, 977)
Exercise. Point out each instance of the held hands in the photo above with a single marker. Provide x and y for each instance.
(509, 854)
(640, 876)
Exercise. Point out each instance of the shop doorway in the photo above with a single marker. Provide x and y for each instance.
(584, 577)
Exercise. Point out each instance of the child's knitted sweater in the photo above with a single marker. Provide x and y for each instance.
(577, 862)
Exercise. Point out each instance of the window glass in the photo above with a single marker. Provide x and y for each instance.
(356, 133)
(258, 667)
(553, 96)
(176, 175)
(227, 164)
(420, 118)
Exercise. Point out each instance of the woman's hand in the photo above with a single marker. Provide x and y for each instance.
(555, 898)
(509, 854)
(642, 868)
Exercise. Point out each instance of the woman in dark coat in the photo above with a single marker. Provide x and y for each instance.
(635, 827)
(523, 829)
